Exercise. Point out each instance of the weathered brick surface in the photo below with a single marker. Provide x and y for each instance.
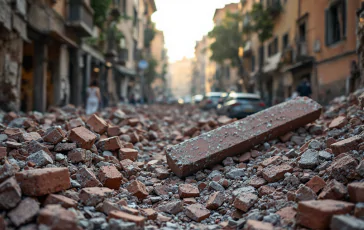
(54, 135)
(111, 144)
(110, 177)
(188, 190)
(316, 214)
(197, 212)
(94, 195)
(24, 212)
(77, 155)
(316, 184)
(83, 137)
(10, 194)
(238, 137)
(215, 200)
(245, 201)
(39, 182)
(137, 188)
(55, 217)
(138, 220)
(32, 136)
(258, 225)
(356, 191)
(127, 153)
(97, 124)
(346, 145)
(65, 202)
(87, 178)
(276, 172)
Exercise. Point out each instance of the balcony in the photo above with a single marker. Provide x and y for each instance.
(302, 51)
(80, 17)
(115, 9)
(274, 7)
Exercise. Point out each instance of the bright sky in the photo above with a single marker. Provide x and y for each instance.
(184, 22)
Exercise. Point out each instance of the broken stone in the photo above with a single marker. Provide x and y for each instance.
(197, 212)
(40, 158)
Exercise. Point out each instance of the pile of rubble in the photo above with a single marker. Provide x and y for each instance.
(175, 167)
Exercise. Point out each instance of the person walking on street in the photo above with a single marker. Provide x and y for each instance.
(304, 89)
(93, 98)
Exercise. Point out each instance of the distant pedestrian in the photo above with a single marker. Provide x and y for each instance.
(304, 89)
(93, 98)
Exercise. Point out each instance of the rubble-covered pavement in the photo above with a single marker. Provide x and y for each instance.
(63, 170)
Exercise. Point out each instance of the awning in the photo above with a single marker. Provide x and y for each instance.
(93, 52)
(272, 63)
(124, 70)
(64, 39)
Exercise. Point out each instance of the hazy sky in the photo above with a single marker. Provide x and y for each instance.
(184, 22)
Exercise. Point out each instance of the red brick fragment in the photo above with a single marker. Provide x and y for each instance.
(343, 169)
(87, 178)
(83, 137)
(235, 138)
(39, 182)
(64, 201)
(258, 225)
(24, 212)
(94, 195)
(316, 214)
(276, 172)
(257, 182)
(108, 206)
(245, 157)
(138, 220)
(346, 145)
(110, 177)
(55, 217)
(77, 155)
(3, 153)
(215, 200)
(32, 136)
(271, 161)
(356, 191)
(130, 167)
(316, 184)
(54, 136)
(127, 153)
(111, 144)
(138, 189)
(149, 213)
(245, 201)
(113, 131)
(338, 122)
(334, 190)
(10, 194)
(188, 190)
(74, 123)
(197, 212)
(97, 124)
(287, 214)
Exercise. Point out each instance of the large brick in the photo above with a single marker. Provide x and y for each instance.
(238, 137)
(317, 214)
(56, 218)
(127, 153)
(97, 124)
(351, 143)
(83, 137)
(10, 194)
(39, 182)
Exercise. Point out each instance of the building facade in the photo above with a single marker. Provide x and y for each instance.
(181, 77)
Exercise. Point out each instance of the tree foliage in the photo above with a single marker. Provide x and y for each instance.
(260, 22)
(100, 8)
(151, 72)
(227, 39)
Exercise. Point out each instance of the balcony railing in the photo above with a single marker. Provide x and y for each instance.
(80, 17)
(275, 7)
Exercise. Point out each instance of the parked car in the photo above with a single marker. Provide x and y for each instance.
(211, 100)
(240, 105)
(197, 99)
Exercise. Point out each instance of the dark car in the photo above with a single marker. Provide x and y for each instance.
(211, 100)
(240, 105)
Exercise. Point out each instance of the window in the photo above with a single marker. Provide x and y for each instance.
(135, 18)
(227, 72)
(273, 47)
(253, 63)
(335, 22)
(124, 7)
(285, 41)
(261, 56)
(302, 32)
